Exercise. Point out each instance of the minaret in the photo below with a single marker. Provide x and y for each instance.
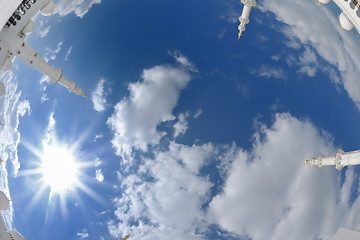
(340, 160)
(12, 43)
(244, 18)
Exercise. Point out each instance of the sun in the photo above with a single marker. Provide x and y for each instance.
(59, 168)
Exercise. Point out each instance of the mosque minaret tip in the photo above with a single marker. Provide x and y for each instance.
(339, 160)
(244, 18)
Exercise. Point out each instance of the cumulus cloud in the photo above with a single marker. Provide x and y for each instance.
(12, 108)
(79, 7)
(267, 192)
(98, 96)
(166, 201)
(150, 102)
(319, 29)
(181, 125)
(269, 72)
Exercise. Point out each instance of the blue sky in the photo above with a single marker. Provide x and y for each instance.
(187, 133)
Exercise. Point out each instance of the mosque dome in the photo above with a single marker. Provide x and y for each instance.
(345, 23)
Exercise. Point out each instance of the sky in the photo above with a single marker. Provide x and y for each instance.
(187, 132)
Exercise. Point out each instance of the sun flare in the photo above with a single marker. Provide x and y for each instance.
(59, 168)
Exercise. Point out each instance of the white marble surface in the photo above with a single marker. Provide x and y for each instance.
(7, 7)
(346, 234)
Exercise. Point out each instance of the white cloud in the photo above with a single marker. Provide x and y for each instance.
(232, 12)
(275, 57)
(181, 125)
(150, 102)
(267, 193)
(83, 234)
(222, 34)
(168, 206)
(79, 7)
(68, 53)
(42, 28)
(52, 53)
(43, 33)
(261, 38)
(44, 82)
(97, 162)
(98, 96)
(180, 58)
(270, 195)
(11, 108)
(198, 113)
(269, 72)
(98, 136)
(318, 28)
(309, 62)
(50, 134)
(99, 175)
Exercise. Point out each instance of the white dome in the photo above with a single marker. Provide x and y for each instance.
(29, 28)
(345, 23)
(48, 9)
(324, 1)
(4, 201)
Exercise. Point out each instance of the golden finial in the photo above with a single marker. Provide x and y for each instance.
(126, 237)
(239, 35)
(306, 162)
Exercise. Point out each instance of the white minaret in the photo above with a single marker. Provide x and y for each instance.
(12, 42)
(244, 18)
(340, 160)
